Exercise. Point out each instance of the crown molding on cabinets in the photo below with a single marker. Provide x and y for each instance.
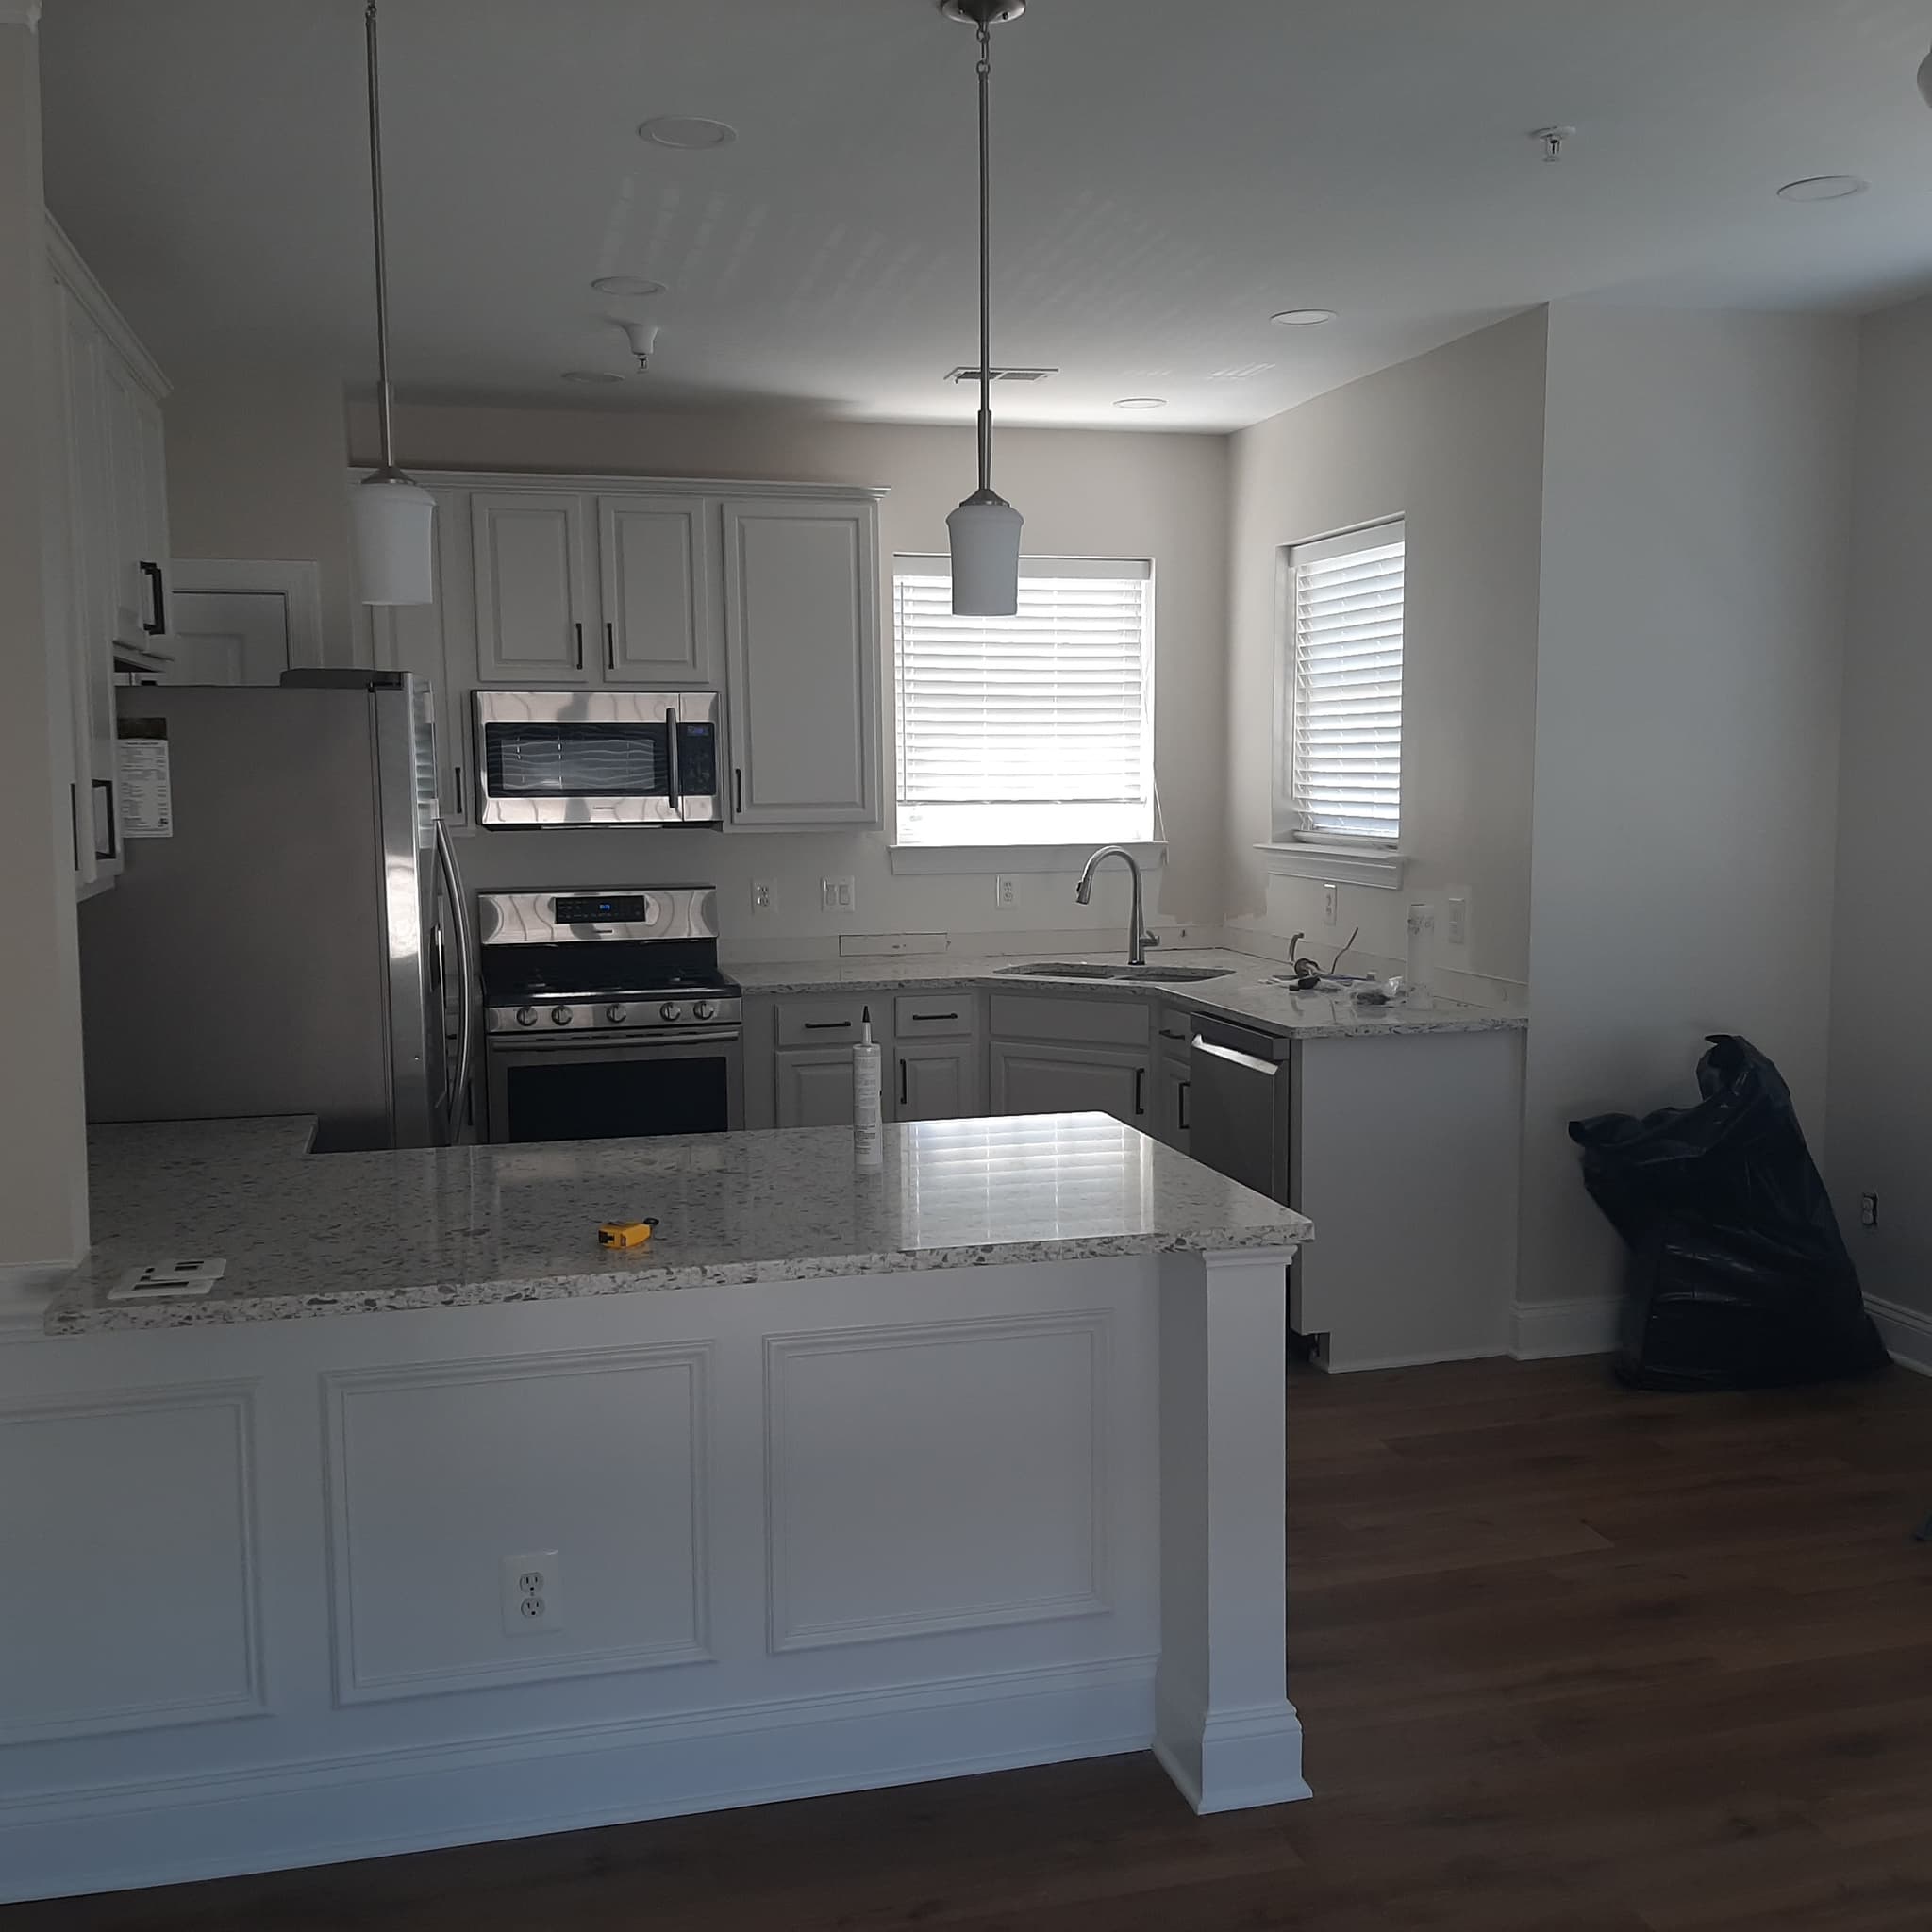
(643, 485)
(24, 13)
(69, 268)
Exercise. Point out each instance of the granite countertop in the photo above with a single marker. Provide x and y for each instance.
(312, 1234)
(1246, 995)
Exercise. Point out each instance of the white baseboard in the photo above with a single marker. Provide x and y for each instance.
(25, 1294)
(1908, 1333)
(221, 1823)
(1547, 1330)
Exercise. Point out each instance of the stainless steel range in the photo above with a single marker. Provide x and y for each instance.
(605, 1016)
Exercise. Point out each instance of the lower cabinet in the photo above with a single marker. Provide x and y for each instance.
(939, 1081)
(1171, 1116)
(814, 1087)
(1070, 1079)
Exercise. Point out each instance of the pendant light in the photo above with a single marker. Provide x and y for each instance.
(985, 529)
(394, 518)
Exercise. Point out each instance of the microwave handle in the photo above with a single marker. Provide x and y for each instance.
(670, 757)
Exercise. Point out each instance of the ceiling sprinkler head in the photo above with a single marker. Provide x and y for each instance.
(643, 337)
(1551, 139)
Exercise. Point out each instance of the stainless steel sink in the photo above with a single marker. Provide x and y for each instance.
(1171, 975)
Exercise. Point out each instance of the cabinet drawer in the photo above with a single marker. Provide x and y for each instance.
(1103, 1023)
(825, 1022)
(932, 1015)
(1175, 1028)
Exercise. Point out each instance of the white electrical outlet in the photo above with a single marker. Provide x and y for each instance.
(840, 896)
(761, 896)
(532, 1594)
(1459, 921)
(1006, 891)
(1331, 898)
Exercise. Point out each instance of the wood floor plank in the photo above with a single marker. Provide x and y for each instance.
(1570, 1658)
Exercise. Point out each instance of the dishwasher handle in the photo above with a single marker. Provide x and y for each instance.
(1254, 1062)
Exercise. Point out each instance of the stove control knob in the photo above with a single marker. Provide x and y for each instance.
(560, 1016)
(527, 1016)
(616, 1013)
(705, 1009)
(671, 1010)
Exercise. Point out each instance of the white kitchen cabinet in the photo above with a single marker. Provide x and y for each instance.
(1174, 1084)
(813, 1087)
(1029, 1078)
(938, 1080)
(531, 587)
(106, 533)
(657, 565)
(800, 628)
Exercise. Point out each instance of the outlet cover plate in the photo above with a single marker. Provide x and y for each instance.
(532, 1594)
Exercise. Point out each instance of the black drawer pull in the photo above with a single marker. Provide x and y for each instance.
(828, 1026)
(1165, 1034)
(935, 1016)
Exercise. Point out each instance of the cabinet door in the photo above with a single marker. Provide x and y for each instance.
(657, 565)
(1070, 1079)
(529, 570)
(814, 1087)
(85, 561)
(939, 1082)
(126, 499)
(151, 550)
(1172, 1079)
(801, 627)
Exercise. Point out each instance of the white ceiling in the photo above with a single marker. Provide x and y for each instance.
(1169, 173)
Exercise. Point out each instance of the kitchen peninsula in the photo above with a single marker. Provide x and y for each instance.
(432, 1521)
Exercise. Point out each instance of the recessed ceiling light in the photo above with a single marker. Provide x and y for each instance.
(626, 285)
(682, 130)
(589, 375)
(1141, 403)
(1302, 317)
(1823, 187)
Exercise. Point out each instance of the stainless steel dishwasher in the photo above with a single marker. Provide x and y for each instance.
(1240, 1105)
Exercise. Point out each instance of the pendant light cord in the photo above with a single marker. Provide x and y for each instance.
(383, 396)
(985, 253)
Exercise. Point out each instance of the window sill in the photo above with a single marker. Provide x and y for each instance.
(1336, 865)
(933, 859)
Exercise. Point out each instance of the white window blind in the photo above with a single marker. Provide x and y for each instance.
(1031, 729)
(1345, 776)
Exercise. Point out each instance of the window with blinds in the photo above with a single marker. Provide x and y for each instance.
(1034, 729)
(1343, 740)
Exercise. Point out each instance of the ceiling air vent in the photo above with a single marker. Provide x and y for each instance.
(970, 374)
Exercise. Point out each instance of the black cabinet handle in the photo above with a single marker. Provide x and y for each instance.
(157, 625)
(1140, 1090)
(1186, 1087)
(113, 850)
(828, 1026)
(935, 1016)
(1166, 1034)
(738, 791)
(610, 647)
(579, 629)
(459, 774)
(902, 1083)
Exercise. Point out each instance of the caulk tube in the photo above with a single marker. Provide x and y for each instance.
(867, 1076)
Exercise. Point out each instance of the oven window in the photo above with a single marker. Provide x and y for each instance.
(617, 1099)
(608, 760)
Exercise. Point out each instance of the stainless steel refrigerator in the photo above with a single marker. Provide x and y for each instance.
(300, 942)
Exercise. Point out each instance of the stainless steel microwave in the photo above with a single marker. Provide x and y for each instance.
(597, 757)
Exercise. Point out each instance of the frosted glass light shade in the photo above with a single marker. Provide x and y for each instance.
(395, 541)
(986, 558)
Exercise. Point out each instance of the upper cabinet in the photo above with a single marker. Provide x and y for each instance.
(658, 576)
(108, 534)
(767, 593)
(800, 628)
(531, 606)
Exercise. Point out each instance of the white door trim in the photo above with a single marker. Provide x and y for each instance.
(297, 583)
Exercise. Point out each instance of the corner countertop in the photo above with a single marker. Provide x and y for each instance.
(313, 1235)
(1247, 996)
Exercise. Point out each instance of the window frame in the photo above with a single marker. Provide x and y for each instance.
(1053, 853)
(1286, 816)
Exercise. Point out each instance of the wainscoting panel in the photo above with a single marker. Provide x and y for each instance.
(989, 1506)
(438, 1473)
(129, 1597)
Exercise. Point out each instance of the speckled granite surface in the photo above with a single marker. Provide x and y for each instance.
(311, 1235)
(1244, 996)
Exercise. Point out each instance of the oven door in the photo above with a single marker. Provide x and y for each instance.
(610, 1089)
(560, 757)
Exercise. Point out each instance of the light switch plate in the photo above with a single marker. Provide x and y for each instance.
(761, 896)
(1006, 890)
(840, 896)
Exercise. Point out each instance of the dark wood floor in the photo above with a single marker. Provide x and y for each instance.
(1569, 1658)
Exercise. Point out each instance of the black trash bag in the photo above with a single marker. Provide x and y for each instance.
(1738, 1277)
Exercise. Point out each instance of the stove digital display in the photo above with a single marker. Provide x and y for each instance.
(629, 909)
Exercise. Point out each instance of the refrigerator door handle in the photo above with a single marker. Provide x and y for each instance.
(466, 1018)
